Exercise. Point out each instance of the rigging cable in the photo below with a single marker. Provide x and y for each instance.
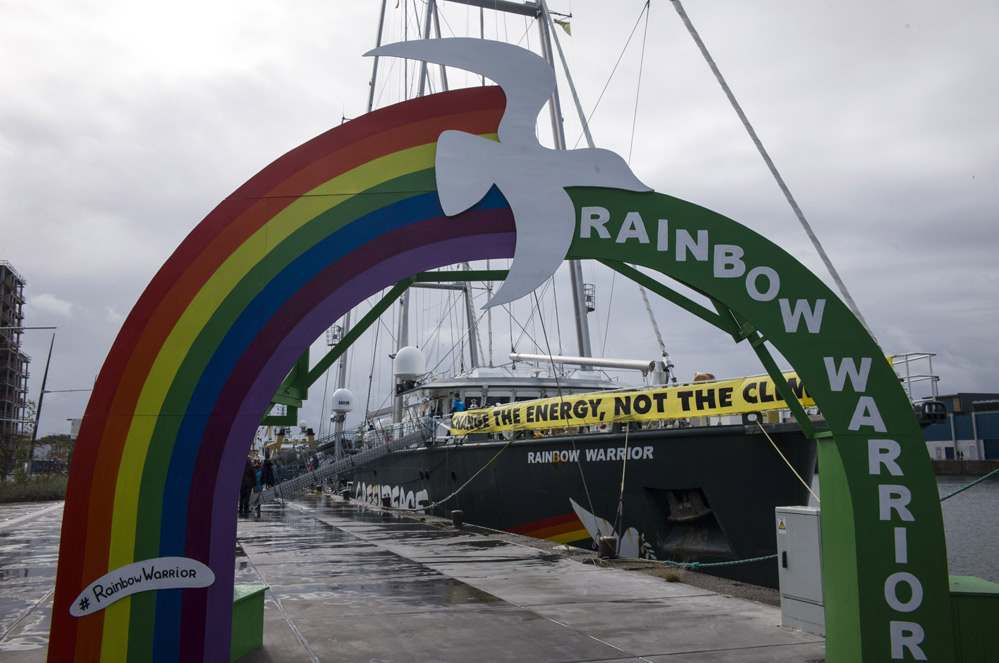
(322, 404)
(450, 353)
(489, 318)
(558, 322)
(475, 332)
(638, 87)
(646, 11)
(452, 304)
(773, 169)
(667, 363)
(405, 37)
(371, 373)
(523, 330)
(610, 302)
(572, 438)
(509, 321)
(585, 121)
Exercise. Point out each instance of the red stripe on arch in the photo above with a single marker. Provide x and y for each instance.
(87, 520)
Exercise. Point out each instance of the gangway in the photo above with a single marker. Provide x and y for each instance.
(416, 434)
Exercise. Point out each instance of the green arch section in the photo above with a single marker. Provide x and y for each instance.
(884, 554)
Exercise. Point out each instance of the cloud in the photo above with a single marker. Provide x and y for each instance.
(48, 303)
(113, 316)
(127, 124)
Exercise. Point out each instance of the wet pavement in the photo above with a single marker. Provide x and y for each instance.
(29, 551)
(350, 583)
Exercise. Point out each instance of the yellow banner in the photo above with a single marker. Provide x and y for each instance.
(696, 400)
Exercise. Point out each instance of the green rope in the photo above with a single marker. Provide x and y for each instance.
(703, 565)
(973, 483)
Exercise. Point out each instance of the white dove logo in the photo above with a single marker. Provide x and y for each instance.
(530, 176)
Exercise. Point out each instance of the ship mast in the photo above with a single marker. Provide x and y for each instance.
(538, 11)
(431, 23)
(558, 131)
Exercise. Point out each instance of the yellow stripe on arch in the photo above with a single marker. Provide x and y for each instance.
(181, 339)
(114, 646)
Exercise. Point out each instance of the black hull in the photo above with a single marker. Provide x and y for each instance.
(695, 494)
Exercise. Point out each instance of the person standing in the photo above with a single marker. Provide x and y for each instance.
(267, 472)
(246, 486)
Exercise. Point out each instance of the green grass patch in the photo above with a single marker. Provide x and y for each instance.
(39, 488)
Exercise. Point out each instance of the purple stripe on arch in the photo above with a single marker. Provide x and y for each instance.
(256, 376)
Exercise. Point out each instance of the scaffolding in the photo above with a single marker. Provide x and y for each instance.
(13, 362)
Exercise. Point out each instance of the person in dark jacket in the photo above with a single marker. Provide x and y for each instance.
(267, 473)
(246, 485)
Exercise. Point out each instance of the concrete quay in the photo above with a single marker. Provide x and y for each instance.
(353, 583)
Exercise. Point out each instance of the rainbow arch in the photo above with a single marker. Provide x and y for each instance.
(210, 340)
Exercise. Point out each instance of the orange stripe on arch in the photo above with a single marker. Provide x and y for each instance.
(86, 532)
(236, 219)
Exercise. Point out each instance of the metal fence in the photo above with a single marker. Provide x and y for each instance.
(300, 469)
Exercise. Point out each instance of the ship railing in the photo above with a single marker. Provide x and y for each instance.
(377, 435)
(916, 368)
(295, 479)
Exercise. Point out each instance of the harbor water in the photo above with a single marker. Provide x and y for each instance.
(971, 525)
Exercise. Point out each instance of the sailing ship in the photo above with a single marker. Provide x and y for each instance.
(688, 489)
(571, 456)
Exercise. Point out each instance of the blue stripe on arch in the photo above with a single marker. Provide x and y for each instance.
(173, 526)
(237, 339)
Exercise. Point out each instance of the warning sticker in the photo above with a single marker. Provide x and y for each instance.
(781, 525)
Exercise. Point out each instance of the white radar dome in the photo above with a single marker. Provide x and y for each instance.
(343, 401)
(410, 363)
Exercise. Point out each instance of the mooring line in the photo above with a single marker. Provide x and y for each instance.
(460, 488)
(973, 483)
(788, 462)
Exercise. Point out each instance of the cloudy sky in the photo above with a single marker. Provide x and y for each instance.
(122, 124)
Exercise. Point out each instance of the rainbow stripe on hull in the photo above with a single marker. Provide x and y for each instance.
(567, 528)
(210, 340)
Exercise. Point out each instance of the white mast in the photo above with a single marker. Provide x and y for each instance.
(540, 13)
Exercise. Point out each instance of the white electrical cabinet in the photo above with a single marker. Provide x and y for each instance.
(799, 563)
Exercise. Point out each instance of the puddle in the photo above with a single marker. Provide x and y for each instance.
(303, 558)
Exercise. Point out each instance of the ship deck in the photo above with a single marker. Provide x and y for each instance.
(354, 583)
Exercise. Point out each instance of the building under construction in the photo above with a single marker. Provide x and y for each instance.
(13, 363)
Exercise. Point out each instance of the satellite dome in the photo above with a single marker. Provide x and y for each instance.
(410, 363)
(343, 401)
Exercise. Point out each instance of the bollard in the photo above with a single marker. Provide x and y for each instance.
(607, 547)
(457, 518)
(386, 501)
(345, 494)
